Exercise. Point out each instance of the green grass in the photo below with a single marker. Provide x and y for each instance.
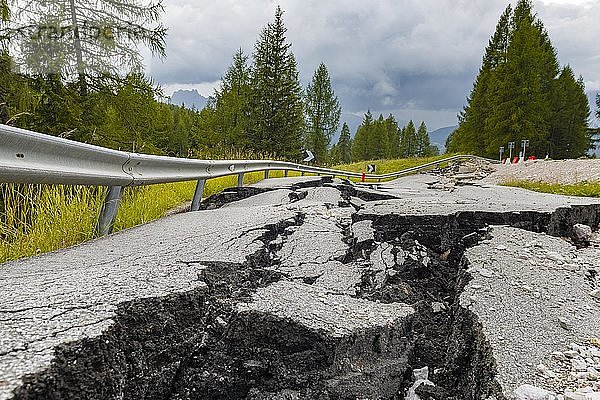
(386, 166)
(583, 189)
(36, 219)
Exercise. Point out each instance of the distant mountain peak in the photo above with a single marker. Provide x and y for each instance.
(439, 136)
(190, 98)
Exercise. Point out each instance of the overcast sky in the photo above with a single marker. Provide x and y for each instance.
(414, 58)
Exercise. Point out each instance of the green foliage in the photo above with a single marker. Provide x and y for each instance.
(361, 142)
(341, 153)
(409, 144)
(383, 139)
(584, 189)
(569, 137)
(230, 118)
(84, 38)
(323, 113)
(424, 147)
(276, 112)
(519, 95)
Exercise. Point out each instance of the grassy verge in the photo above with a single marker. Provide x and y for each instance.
(386, 166)
(584, 189)
(36, 219)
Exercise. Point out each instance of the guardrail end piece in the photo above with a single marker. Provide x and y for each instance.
(108, 213)
(198, 195)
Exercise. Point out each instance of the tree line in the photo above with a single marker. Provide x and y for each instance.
(382, 139)
(522, 93)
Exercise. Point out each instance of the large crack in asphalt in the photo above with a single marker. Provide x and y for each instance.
(425, 268)
(218, 343)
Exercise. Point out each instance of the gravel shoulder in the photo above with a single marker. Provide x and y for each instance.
(533, 294)
(550, 171)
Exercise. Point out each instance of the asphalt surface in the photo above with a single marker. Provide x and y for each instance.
(326, 248)
(72, 294)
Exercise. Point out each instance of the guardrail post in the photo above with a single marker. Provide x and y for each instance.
(286, 173)
(108, 213)
(266, 174)
(241, 180)
(198, 195)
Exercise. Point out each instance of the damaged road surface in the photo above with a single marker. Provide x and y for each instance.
(310, 288)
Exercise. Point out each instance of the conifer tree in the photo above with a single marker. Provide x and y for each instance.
(424, 148)
(275, 107)
(231, 103)
(393, 137)
(344, 144)
(519, 94)
(378, 141)
(568, 125)
(323, 113)
(408, 140)
(471, 137)
(521, 107)
(360, 144)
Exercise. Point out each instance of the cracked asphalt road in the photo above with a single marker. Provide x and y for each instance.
(312, 262)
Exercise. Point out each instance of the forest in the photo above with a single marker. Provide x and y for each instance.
(522, 93)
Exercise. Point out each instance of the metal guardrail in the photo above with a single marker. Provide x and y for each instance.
(31, 157)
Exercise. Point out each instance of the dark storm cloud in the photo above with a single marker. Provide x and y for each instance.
(407, 57)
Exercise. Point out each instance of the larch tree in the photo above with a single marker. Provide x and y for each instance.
(323, 113)
(276, 107)
(86, 39)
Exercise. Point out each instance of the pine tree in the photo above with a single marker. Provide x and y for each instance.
(568, 132)
(362, 138)
(275, 107)
(231, 102)
(323, 113)
(378, 141)
(84, 38)
(423, 144)
(344, 144)
(408, 140)
(519, 95)
(471, 136)
(521, 108)
(393, 136)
